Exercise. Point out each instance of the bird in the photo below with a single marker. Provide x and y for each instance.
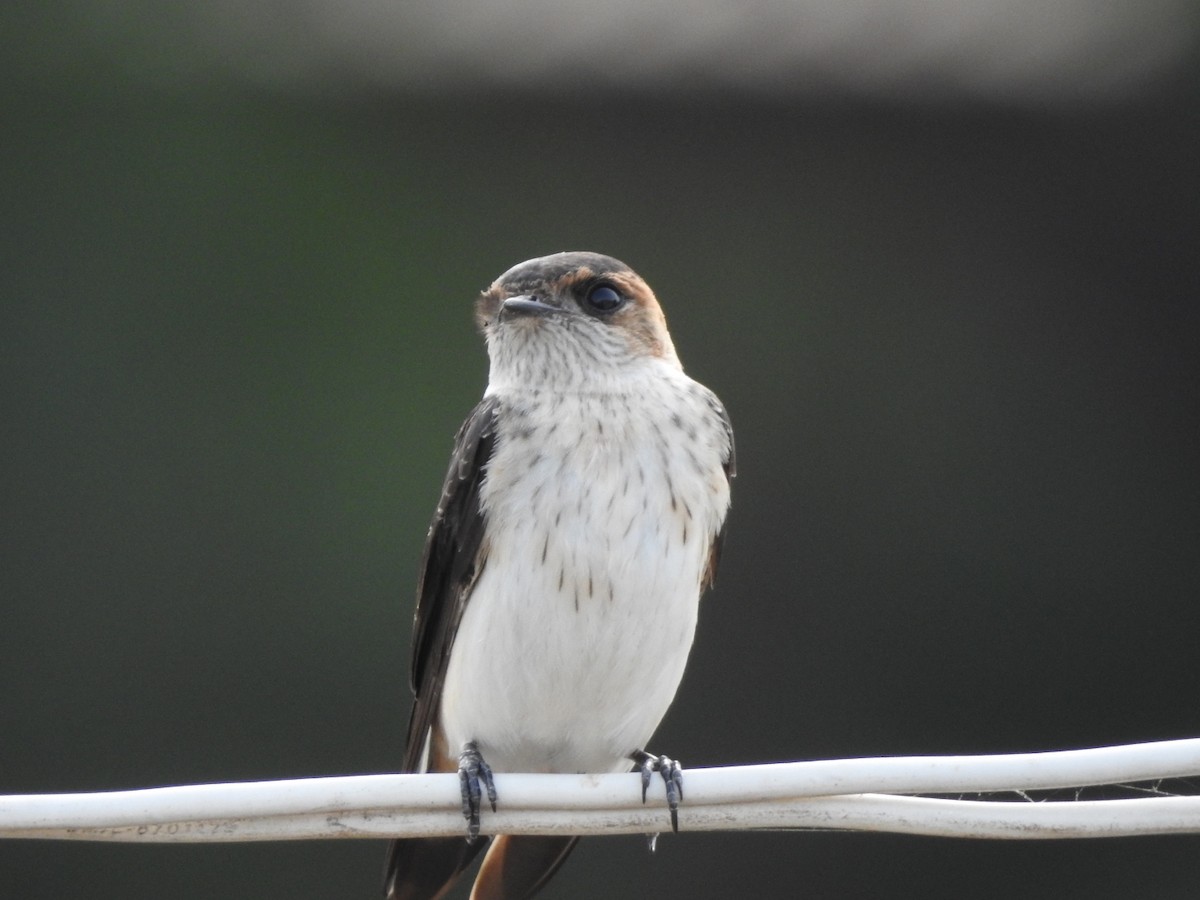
(580, 521)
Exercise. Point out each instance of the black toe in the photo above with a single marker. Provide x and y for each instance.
(474, 777)
(672, 776)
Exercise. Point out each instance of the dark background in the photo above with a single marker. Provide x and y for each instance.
(958, 340)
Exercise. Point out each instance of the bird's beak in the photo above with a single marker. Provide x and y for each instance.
(527, 305)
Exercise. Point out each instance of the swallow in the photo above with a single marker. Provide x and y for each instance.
(580, 522)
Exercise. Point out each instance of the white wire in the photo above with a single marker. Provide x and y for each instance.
(830, 794)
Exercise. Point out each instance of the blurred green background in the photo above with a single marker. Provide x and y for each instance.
(958, 337)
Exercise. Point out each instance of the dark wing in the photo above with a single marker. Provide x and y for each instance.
(455, 552)
(714, 554)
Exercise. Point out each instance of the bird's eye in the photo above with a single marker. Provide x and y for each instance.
(604, 298)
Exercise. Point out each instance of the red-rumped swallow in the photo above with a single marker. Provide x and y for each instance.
(579, 523)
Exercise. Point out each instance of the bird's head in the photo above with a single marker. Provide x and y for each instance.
(570, 318)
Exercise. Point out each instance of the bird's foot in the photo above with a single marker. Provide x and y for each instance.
(474, 777)
(672, 776)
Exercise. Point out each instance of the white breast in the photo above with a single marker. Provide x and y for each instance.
(601, 511)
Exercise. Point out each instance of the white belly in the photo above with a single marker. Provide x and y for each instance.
(577, 632)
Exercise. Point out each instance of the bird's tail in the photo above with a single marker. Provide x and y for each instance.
(518, 866)
(515, 868)
(426, 868)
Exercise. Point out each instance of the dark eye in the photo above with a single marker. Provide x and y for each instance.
(604, 298)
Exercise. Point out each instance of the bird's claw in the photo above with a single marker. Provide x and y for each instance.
(474, 777)
(672, 776)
